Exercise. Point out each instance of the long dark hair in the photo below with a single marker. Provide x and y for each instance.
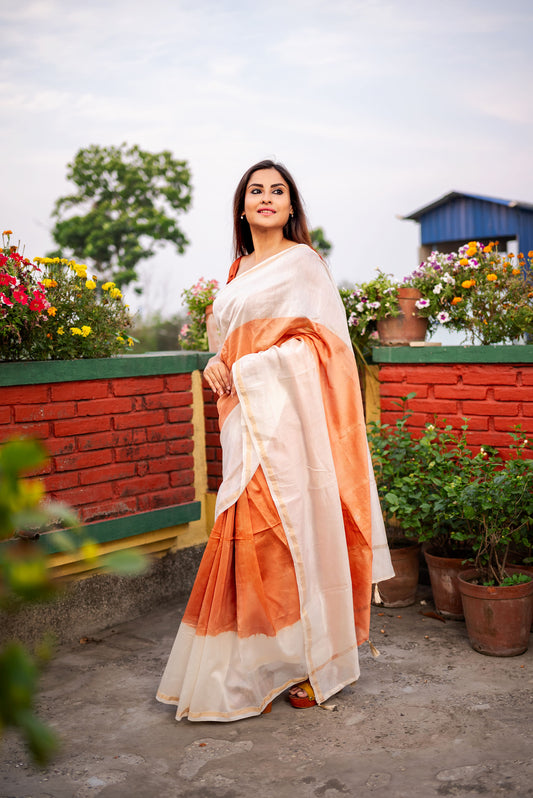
(296, 228)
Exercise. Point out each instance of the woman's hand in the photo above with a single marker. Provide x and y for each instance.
(218, 376)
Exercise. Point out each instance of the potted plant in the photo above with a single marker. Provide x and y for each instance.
(412, 473)
(51, 309)
(492, 505)
(485, 294)
(382, 311)
(198, 333)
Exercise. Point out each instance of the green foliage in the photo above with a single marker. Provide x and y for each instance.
(197, 299)
(435, 489)
(126, 200)
(319, 242)
(411, 473)
(51, 310)
(157, 334)
(24, 577)
(513, 579)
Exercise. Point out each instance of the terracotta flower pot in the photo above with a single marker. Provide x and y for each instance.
(498, 619)
(443, 573)
(408, 326)
(400, 591)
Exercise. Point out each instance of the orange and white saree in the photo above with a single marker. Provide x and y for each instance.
(284, 588)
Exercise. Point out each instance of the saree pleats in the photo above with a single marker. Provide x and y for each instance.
(283, 591)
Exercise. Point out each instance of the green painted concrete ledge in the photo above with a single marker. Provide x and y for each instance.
(126, 527)
(522, 353)
(152, 364)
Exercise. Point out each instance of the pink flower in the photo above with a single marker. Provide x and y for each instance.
(184, 330)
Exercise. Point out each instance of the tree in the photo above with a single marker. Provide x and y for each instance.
(320, 242)
(127, 200)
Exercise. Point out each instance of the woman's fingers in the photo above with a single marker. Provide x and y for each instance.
(218, 377)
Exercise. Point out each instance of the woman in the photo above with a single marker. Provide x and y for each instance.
(282, 596)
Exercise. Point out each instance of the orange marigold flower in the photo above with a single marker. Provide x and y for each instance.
(463, 262)
(530, 253)
(488, 247)
(492, 277)
(468, 283)
(7, 232)
(456, 300)
(515, 271)
(51, 310)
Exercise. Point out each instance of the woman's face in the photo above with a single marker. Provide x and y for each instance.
(267, 201)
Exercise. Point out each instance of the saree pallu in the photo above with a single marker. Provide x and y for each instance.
(284, 588)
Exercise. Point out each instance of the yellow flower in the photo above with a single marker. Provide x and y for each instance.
(115, 293)
(51, 310)
(48, 282)
(90, 284)
(120, 339)
(75, 331)
(107, 286)
(60, 331)
(456, 300)
(85, 330)
(492, 277)
(130, 342)
(56, 260)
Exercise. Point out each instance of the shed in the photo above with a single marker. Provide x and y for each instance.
(456, 218)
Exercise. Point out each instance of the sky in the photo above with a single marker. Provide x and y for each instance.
(376, 107)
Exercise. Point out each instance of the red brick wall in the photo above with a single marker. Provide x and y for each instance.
(213, 450)
(493, 397)
(118, 446)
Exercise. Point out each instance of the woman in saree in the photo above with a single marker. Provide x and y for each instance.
(282, 596)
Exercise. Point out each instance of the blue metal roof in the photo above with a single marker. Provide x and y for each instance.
(457, 216)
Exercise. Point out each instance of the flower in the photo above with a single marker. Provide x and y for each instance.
(468, 283)
(115, 293)
(422, 303)
(456, 300)
(39, 300)
(443, 317)
(492, 277)
(7, 233)
(197, 299)
(107, 286)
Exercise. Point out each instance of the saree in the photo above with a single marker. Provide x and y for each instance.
(283, 590)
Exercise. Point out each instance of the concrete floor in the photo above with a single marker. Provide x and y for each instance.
(429, 717)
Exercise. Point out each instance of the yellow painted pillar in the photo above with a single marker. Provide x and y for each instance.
(197, 531)
(372, 400)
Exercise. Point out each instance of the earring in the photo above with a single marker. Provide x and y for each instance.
(291, 214)
(243, 215)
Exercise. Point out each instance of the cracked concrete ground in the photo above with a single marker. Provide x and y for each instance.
(429, 717)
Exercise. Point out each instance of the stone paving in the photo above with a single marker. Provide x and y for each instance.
(428, 717)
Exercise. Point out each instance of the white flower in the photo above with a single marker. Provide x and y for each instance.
(448, 278)
(359, 307)
(375, 305)
(443, 317)
(438, 288)
(422, 303)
